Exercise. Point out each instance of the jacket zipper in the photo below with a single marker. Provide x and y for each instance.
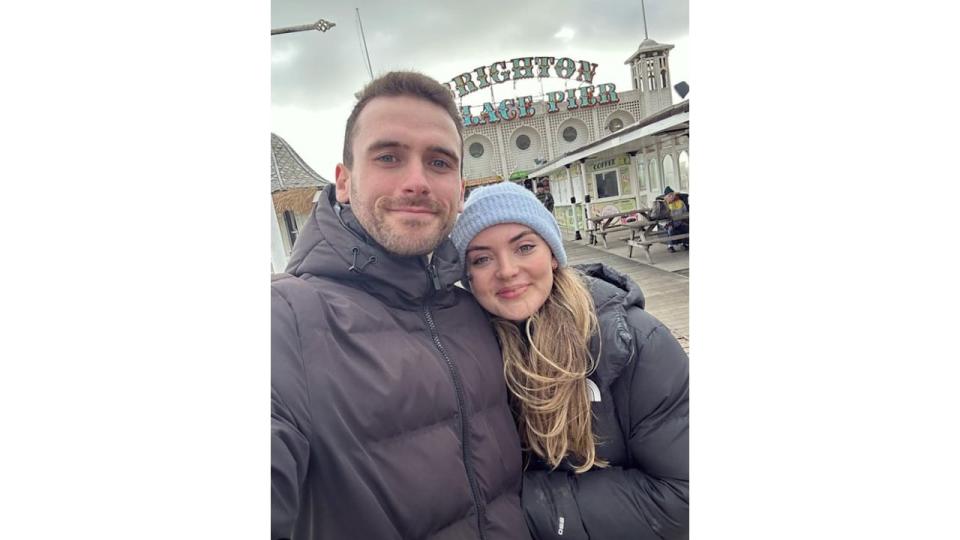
(464, 426)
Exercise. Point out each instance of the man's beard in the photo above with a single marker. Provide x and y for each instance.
(415, 237)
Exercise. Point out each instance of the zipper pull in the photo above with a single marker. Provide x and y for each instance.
(434, 276)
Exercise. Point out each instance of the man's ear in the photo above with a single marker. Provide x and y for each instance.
(343, 183)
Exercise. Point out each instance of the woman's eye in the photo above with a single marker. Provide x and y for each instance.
(526, 248)
(479, 261)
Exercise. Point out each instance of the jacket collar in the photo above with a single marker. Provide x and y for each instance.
(333, 244)
(613, 295)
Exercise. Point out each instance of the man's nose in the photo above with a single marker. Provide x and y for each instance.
(415, 179)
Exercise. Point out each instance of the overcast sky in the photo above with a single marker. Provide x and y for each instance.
(314, 74)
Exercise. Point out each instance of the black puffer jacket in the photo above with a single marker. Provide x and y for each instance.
(390, 418)
(641, 427)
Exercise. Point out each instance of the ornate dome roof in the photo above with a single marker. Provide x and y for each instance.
(648, 45)
(288, 170)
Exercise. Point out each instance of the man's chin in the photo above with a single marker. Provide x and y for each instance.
(409, 241)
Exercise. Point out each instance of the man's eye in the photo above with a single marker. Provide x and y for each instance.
(440, 164)
(388, 158)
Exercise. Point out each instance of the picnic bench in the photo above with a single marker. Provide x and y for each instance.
(644, 234)
(602, 225)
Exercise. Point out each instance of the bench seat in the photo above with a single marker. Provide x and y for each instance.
(653, 239)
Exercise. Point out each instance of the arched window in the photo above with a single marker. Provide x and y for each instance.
(476, 149)
(654, 176)
(479, 157)
(291, 222)
(528, 148)
(684, 161)
(641, 175)
(668, 176)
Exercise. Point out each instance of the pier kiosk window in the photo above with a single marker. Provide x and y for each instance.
(607, 184)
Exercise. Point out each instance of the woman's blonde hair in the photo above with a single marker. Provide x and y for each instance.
(546, 370)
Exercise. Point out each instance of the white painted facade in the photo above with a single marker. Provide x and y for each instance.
(615, 183)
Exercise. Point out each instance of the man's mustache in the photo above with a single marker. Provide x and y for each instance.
(391, 203)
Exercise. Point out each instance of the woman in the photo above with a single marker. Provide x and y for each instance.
(599, 386)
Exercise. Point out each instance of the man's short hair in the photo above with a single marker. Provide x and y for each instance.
(402, 83)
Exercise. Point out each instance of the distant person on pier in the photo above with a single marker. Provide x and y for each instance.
(676, 203)
(545, 197)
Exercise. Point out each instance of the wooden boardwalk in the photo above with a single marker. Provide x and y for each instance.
(667, 293)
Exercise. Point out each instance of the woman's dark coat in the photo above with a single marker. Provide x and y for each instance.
(640, 422)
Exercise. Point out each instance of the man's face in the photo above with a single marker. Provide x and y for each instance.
(404, 186)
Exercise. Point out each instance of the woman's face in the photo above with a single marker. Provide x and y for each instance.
(511, 270)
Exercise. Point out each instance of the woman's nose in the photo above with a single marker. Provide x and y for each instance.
(506, 268)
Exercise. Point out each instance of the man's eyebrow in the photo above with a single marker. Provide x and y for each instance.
(512, 240)
(381, 144)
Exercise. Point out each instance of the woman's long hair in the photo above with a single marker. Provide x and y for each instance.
(546, 370)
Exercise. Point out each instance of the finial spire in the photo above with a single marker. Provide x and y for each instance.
(644, 10)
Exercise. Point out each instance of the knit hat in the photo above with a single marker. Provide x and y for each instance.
(506, 202)
(667, 190)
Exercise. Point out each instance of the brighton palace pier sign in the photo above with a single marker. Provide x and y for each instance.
(524, 68)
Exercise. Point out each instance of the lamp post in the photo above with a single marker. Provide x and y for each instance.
(321, 25)
(278, 256)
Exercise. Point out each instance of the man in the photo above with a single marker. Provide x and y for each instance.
(389, 412)
(545, 197)
(677, 208)
(684, 197)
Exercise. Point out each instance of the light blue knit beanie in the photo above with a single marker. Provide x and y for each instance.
(506, 202)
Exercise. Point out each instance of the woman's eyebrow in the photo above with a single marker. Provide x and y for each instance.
(521, 235)
(512, 240)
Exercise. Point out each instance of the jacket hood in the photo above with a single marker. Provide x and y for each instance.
(608, 285)
(614, 294)
(333, 244)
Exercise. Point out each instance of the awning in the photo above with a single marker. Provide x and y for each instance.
(474, 182)
(629, 139)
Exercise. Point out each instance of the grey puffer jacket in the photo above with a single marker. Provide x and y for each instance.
(640, 422)
(389, 416)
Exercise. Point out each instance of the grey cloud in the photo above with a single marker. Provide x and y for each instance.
(328, 67)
